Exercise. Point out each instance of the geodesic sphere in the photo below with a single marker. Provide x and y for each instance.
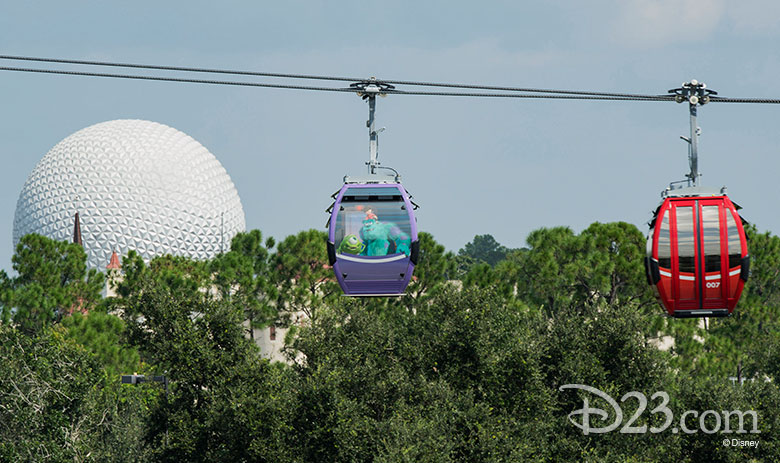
(136, 185)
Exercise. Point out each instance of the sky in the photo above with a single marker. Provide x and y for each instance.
(475, 166)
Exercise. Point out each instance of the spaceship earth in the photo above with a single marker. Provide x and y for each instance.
(137, 185)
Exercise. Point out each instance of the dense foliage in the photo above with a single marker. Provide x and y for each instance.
(474, 364)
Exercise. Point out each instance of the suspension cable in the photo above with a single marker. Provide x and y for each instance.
(178, 79)
(717, 99)
(629, 96)
(178, 68)
(505, 91)
(337, 89)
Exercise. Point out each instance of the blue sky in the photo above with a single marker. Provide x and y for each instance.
(475, 166)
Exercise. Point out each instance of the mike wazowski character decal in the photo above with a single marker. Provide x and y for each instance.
(351, 245)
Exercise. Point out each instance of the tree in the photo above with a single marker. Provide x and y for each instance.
(546, 273)
(43, 381)
(57, 404)
(484, 248)
(188, 279)
(482, 275)
(103, 335)
(220, 405)
(434, 268)
(302, 275)
(611, 261)
(604, 347)
(455, 379)
(601, 266)
(52, 281)
(243, 277)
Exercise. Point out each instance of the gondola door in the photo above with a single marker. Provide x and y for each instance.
(713, 279)
(684, 227)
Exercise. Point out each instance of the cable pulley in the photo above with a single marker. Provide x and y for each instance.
(371, 87)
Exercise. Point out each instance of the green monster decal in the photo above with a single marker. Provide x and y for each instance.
(351, 245)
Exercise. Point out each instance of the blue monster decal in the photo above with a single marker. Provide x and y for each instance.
(377, 236)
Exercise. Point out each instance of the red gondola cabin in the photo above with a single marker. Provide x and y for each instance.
(697, 256)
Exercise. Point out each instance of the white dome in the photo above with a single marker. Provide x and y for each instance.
(136, 185)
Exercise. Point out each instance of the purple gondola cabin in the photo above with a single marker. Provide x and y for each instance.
(372, 239)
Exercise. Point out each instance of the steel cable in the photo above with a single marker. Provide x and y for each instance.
(630, 96)
(336, 89)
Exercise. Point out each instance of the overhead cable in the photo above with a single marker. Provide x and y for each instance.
(337, 89)
(629, 96)
(717, 99)
(177, 79)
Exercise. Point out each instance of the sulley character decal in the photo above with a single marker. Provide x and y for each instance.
(377, 237)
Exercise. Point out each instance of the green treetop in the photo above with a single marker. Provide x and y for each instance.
(52, 280)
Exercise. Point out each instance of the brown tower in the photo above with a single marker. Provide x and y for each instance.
(77, 231)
